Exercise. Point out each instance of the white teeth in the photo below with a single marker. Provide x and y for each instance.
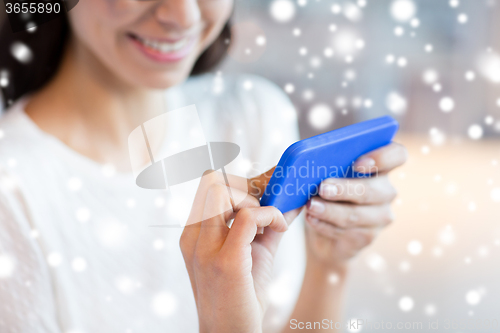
(163, 47)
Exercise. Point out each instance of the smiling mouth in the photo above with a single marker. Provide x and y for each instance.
(161, 46)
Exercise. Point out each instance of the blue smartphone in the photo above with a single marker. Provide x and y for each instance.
(306, 163)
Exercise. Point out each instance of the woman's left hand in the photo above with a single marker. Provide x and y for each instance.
(349, 212)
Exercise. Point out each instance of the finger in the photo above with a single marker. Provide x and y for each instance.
(382, 160)
(191, 230)
(356, 238)
(201, 211)
(348, 216)
(363, 191)
(187, 244)
(257, 185)
(245, 226)
(208, 179)
(218, 211)
(270, 239)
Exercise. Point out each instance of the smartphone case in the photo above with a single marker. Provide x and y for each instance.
(306, 163)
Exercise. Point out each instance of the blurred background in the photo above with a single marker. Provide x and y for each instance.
(434, 65)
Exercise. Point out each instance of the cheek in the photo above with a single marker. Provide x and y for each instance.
(97, 21)
(215, 14)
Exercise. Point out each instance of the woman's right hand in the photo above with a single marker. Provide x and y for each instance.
(230, 268)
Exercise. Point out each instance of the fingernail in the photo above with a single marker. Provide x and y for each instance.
(353, 218)
(364, 164)
(316, 206)
(312, 220)
(328, 190)
(260, 230)
(392, 216)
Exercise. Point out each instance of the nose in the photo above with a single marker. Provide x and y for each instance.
(178, 14)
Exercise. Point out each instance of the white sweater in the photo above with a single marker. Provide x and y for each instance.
(77, 253)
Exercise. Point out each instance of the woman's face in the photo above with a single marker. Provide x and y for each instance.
(149, 43)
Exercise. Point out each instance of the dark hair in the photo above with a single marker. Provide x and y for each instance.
(47, 44)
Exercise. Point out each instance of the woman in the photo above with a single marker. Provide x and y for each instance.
(77, 252)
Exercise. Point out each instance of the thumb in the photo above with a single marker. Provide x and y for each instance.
(257, 185)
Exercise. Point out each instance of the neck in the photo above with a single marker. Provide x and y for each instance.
(90, 109)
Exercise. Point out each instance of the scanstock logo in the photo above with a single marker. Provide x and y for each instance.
(170, 152)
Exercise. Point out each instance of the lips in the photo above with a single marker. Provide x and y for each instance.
(162, 49)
